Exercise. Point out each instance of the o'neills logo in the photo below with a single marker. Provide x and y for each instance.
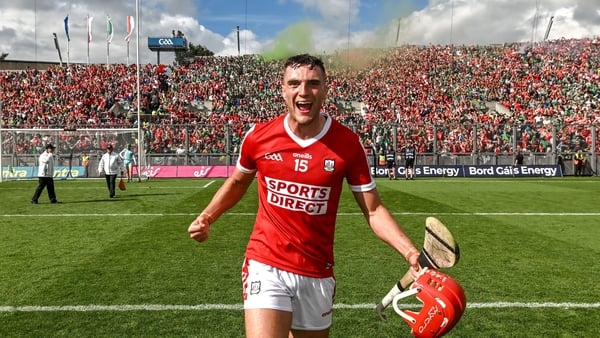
(311, 199)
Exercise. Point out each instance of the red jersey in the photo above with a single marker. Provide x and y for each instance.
(299, 188)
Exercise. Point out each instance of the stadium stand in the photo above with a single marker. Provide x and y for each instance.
(441, 97)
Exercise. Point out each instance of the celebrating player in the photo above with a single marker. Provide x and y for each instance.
(300, 160)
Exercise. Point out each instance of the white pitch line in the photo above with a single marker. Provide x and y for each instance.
(212, 307)
(102, 215)
(585, 214)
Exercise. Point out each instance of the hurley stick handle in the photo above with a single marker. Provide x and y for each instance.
(404, 282)
(402, 285)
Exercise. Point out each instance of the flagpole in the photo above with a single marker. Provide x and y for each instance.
(107, 55)
(107, 41)
(88, 38)
(141, 155)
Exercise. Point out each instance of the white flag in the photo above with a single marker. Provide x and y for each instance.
(89, 23)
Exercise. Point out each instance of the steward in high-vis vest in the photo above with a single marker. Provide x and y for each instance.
(579, 161)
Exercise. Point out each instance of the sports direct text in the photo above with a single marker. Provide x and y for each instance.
(310, 199)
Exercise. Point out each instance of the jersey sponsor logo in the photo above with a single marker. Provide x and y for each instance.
(310, 199)
(274, 157)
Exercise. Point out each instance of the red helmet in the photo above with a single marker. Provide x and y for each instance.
(444, 302)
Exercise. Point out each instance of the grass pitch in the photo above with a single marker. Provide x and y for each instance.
(125, 267)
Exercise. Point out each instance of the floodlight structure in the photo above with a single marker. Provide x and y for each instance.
(57, 46)
(548, 28)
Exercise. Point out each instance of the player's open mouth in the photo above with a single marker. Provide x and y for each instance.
(304, 106)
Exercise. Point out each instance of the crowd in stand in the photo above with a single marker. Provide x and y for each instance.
(436, 96)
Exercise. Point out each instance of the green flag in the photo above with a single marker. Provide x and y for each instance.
(109, 30)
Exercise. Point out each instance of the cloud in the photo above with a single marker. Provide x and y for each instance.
(334, 11)
(311, 25)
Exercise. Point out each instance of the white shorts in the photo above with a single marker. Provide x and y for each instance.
(309, 299)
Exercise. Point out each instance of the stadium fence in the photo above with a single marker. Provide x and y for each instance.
(210, 150)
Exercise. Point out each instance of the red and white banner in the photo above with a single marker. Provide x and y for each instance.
(130, 27)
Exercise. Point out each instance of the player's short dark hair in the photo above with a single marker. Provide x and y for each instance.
(304, 60)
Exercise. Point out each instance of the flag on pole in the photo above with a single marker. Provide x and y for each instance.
(130, 26)
(89, 24)
(67, 27)
(109, 29)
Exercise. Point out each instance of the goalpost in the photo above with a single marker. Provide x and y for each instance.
(78, 151)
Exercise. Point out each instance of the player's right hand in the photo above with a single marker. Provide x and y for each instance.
(200, 228)
(413, 260)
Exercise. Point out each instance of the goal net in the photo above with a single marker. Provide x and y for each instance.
(77, 151)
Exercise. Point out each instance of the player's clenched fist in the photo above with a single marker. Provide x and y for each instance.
(200, 227)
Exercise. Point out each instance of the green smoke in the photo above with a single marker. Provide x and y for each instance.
(295, 39)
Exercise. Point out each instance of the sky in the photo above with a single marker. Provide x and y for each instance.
(277, 27)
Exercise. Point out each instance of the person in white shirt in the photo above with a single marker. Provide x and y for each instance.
(45, 175)
(110, 164)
